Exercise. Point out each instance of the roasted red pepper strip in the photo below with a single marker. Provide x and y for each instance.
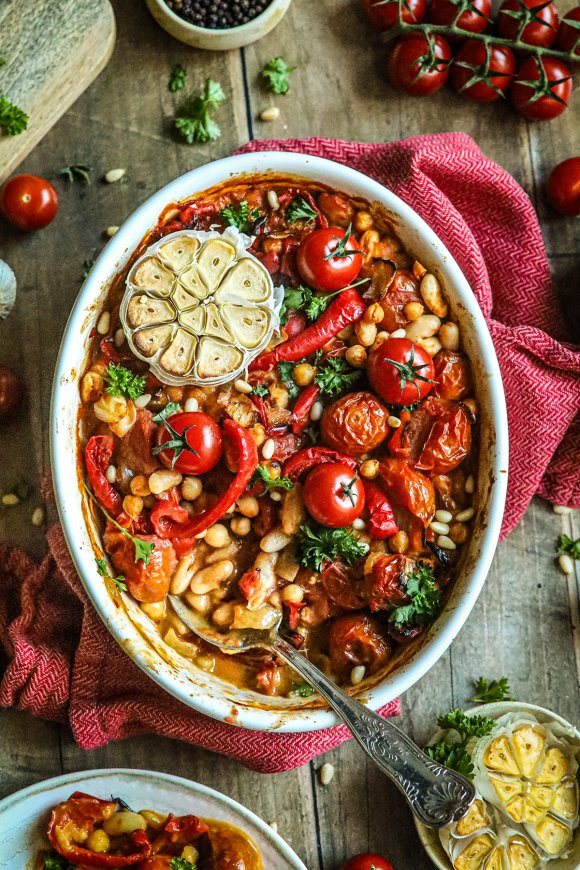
(306, 459)
(301, 410)
(381, 522)
(345, 309)
(258, 403)
(79, 814)
(98, 454)
(176, 523)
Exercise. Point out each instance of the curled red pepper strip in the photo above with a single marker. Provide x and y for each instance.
(301, 410)
(346, 308)
(304, 460)
(258, 403)
(98, 454)
(80, 813)
(381, 522)
(177, 523)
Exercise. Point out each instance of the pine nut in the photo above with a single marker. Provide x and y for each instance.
(276, 496)
(38, 516)
(369, 468)
(119, 338)
(241, 526)
(326, 773)
(398, 333)
(143, 400)
(161, 481)
(10, 499)
(357, 675)
(293, 593)
(470, 485)
(270, 114)
(191, 488)
(110, 231)
(445, 543)
(356, 356)
(274, 541)
(191, 405)
(443, 516)
(274, 826)
(565, 562)
(316, 411)
(394, 422)
(243, 386)
(359, 524)
(268, 448)
(465, 516)
(103, 323)
(449, 336)
(413, 310)
(114, 175)
(439, 528)
(217, 536)
(111, 474)
(273, 200)
(248, 506)
(561, 509)
(399, 543)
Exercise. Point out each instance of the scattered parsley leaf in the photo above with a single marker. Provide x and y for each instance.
(87, 266)
(300, 210)
(286, 369)
(486, 692)
(335, 376)
(122, 382)
(241, 216)
(13, 120)
(177, 78)
(262, 475)
(169, 410)
(568, 545)
(276, 74)
(143, 549)
(261, 390)
(194, 122)
(53, 861)
(301, 690)
(118, 581)
(319, 544)
(425, 598)
(181, 864)
(76, 172)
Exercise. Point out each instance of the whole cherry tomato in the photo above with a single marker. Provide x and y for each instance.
(192, 443)
(546, 76)
(28, 202)
(540, 18)
(334, 495)
(367, 861)
(354, 424)
(453, 375)
(357, 640)
(568, 35)
(419, 64)
(482, 72)
(10, 392)
(400, 371)
(474, 18)
(386, 14)
(329, 259)
(563, 187)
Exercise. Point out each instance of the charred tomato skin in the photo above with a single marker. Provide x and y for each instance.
(354, 424)
(563, 187)
(318, 265)
(334, 495)
(357, 639)
(28, 202)
(203, 436)
(453, 375)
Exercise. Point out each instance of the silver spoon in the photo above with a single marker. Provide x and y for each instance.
(435, 794)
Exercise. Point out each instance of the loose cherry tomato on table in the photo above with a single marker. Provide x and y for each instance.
(481, 71)
(540, 20)
(334, 495)
(400, 371)
(28, 202)
(569, 31)
(386, 14)
(10, 392)
(474, 15)
(542, 88)
(367, 861)
(419, 64)
(189, 442)
(329, 259)
(563, 187)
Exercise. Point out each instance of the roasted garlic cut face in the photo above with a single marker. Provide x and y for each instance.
(198, 307)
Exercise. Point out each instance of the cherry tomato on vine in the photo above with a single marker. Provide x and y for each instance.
(367, 861)
(192, 440)
(28, 202)
(334, 495)
(419, 64)
(548, 77)
(541, 21)
(563, 187)
(329, 259)
(475, 16)
(400, 371)
(568, 35)
(384, 14)
(482, 72)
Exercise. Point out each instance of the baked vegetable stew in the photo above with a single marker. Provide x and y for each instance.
(278, 420)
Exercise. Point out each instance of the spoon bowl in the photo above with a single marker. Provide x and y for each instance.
(232, 641)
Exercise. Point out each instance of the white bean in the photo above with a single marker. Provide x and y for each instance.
(217, 536)
(212, 577)
(161, 481)
(449, 336)
(275, 541)
(398, 333)
(430, 290)
(432, 345)
(424, 327)
(182, 574)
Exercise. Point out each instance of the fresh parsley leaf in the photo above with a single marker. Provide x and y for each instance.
(459, 729)
(143, 549)
(241, 217)
(76, 172)
(318, 544)
(177, 78)
(425, 598)
(87, 266)
(451, 755)
(181, 864)
(263, 475)
(300, 210)
(486, 692)
(276, 74)
(118, 581)
(568, 545)
(13, 120)
(316, 306)
(261, 390)
(53, 861)
(169, 410)
(286, 369)
(335, 376)
(122, 382)
(194, 122)
(466, 726)
(301, 690)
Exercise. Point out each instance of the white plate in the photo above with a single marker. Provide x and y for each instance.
(24, 815)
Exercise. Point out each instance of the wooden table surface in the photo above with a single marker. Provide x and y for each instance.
(525, 624)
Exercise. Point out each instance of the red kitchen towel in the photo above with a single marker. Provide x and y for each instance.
(63, 664)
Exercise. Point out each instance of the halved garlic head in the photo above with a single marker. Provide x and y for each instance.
(198, 307)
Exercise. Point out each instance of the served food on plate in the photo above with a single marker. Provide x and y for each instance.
(278, 421)
(87, 831)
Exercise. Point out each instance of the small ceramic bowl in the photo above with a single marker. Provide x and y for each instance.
(430, 837)
(218, 40)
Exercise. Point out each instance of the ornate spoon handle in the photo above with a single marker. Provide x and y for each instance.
(435, 794)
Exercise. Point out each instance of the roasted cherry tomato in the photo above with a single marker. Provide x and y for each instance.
(546, 76)
(563, 187)
(408, 488)
(334, 495)
(400, 371)
(419, 64)
(452, 375)
(337, 209)
(344, 585)
(357, 640)
(28, 202)
(541, 21)
(11, 392)
(354, 424)
(404, 288)
(193, 443)
(145, 582)
(481, 71)
(367, 861)
(448, 442)
(568, 35)
(329, 259)
(475, 16)
(386, 583)
(384, 14)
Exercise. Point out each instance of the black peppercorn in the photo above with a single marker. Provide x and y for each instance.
(218, 14)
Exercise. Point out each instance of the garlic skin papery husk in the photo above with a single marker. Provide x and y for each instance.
(7, 290)
(198, 307)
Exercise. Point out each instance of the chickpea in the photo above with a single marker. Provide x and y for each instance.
(369, 468)
(258, 433)
(132, 505)
(356, 356)
(140, 486)
(91, 387)
(399, 543)
(98, 841)
(363, 220)
(191, 488)
(217, 536)
(368, 240)
(413, 310)
(459, 533)
(241, 526)
(175, 394)
(374, 313)
(303, 374)
(381, 337)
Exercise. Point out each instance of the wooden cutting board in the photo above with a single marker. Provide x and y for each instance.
(52, 51)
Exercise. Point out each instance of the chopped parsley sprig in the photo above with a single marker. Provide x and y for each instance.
(276, 75)
(13, 119)
(122, 382)
(119, 581)
(496, 690)
(336, 376)
(262, 475)
(240, 216)
(177, 78)
(286, 368)
(319, 544)
(301, 690)
(300, 210)
(304, 299)
(181, 864)
(459, 728)
(568, 545)
(194, 122)
(143, 549)
(425, 597)
(53, 861)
